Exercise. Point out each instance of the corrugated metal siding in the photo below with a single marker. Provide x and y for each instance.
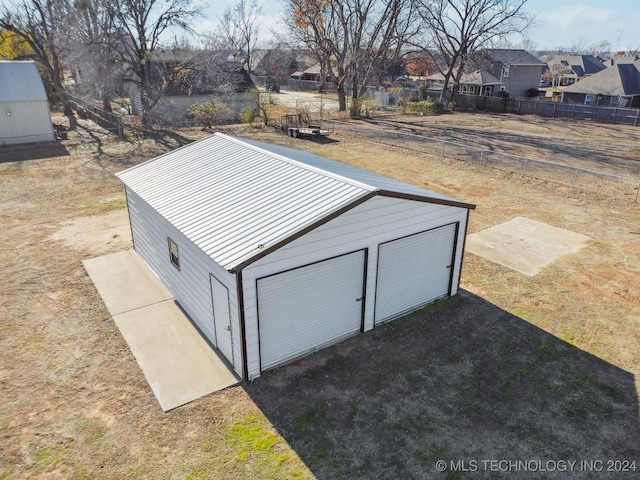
(24, 108)
(413, 271)
(310, 307)
(233, 200)
(378, 220)
(25, 122)
(191, 284)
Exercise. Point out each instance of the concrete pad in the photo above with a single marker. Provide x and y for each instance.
(177, 362)
(525, 245)
(125, 282)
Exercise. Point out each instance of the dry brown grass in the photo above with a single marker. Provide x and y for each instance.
(74, 403)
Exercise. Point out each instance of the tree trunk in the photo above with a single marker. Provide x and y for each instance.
(342, 99)
(106, 103)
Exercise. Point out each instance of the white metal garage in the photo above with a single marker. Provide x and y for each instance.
(275, 253)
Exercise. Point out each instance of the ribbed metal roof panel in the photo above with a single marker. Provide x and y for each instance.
(20, 82)
(379, 182)
(234, 199)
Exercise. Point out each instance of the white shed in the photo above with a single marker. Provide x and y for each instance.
(24, 107)
(275, 253)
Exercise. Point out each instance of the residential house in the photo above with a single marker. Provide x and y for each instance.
(479, 82)
(616, 86)
(279, 62)
(517, 70)
(184, 78)
(311, 74)
(617, 59)
(564, 70)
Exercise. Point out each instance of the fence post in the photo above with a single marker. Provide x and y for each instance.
(443, 149)
(637, 117)
(524, 169)
(554, 109)
(481, 152)
(575, 177)
(637, 192)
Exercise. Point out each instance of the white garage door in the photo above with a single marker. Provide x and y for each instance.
(413, 271)
(310, 307)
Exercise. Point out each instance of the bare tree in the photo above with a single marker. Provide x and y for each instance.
(139, 25)
(350, 37)
(91, 51)
(459, 28)
(238, 29)
(39, 24)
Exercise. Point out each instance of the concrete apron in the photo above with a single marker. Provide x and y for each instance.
(177, 362)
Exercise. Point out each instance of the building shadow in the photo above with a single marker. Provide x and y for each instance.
(32, 151)
(461, 382)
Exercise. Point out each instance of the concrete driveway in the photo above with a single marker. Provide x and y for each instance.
(177, 362)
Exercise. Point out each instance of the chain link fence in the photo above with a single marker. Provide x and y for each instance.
(608, 184)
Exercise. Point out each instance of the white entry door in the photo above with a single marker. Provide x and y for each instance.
(310, 307)
(221, 318)
(414, 271)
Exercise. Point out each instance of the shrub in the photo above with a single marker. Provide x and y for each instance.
(209, 113)
(248, 115)
(361, 107)
(425, 107)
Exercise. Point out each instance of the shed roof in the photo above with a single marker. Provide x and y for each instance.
(239, 200)
(20, 82)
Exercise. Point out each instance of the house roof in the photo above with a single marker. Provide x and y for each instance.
(21, 82)
(581, 65)
(512, 57)
(238, 200)
(621, 79)
(479, 77)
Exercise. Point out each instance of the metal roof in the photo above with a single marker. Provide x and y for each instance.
(238, 199)
(20, 82)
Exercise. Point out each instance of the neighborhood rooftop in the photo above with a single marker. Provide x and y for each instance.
(235, 198)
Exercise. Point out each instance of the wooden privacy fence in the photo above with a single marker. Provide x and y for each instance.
(625, 116)
(606, 183)
(107, 120)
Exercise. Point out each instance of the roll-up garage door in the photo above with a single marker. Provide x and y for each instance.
(414, 271)
(310, 307)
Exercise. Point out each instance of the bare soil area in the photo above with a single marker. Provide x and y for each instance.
(613, 149)
(535, 369)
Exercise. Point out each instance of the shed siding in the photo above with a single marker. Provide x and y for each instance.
(191, 284)
(25, 122)
(377, 220)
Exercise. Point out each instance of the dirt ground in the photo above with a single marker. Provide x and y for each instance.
(515, 377)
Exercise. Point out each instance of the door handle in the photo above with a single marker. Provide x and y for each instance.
(359, 299)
